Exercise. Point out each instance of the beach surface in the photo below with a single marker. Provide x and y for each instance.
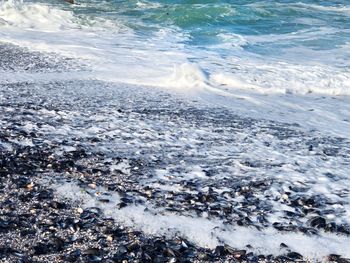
(118, 172)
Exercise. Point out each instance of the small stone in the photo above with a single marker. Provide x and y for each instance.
(109, 238)
(41, 249)
(92, 251)
(74, 255)
(284, 197)
(318, 222)
(103, 200)
(122, 205)
(57, 244)
(333, 257)
(122, 250)
(202, 256)
(294, 256)
(57, 205)
(239, 253)
(30, 186)
(282, 245)
(169, 252)
(220, 250)
(92, 186)
(80, 210)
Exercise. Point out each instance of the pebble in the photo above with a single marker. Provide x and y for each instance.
(92, 186)
(60, 230)
(284, 197)
(30, 186)
(318, 222)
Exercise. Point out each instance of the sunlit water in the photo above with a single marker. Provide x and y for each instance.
(264, 46)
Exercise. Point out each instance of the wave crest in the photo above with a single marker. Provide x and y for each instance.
(36, 16)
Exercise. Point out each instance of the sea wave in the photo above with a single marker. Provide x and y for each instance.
(37, 16)
(344, 9)
(161, 56)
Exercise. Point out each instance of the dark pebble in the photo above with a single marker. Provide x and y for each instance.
(318, 222)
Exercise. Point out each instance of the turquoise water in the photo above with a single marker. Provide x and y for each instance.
(267, 46)
(315, 25)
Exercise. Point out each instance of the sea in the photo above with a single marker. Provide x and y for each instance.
(214, 48)
(266, 46)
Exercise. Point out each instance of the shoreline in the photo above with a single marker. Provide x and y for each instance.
(128, 147)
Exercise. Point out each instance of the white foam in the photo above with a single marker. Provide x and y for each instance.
(34, 16)
(343, 9)
(234, 40)
(187, 76)
(209, 233)
(281, 77)
(328, 115)
(147, 5)
(116, 53)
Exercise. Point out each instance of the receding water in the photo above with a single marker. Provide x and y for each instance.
(271, 46)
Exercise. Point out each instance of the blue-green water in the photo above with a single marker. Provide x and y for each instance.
(204, 21)
(284, 45)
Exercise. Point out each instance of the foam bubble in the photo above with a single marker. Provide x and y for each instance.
(205, 232)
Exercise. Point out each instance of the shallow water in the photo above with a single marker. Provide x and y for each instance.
(263, 46)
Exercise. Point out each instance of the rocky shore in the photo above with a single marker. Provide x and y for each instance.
(93, 172)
